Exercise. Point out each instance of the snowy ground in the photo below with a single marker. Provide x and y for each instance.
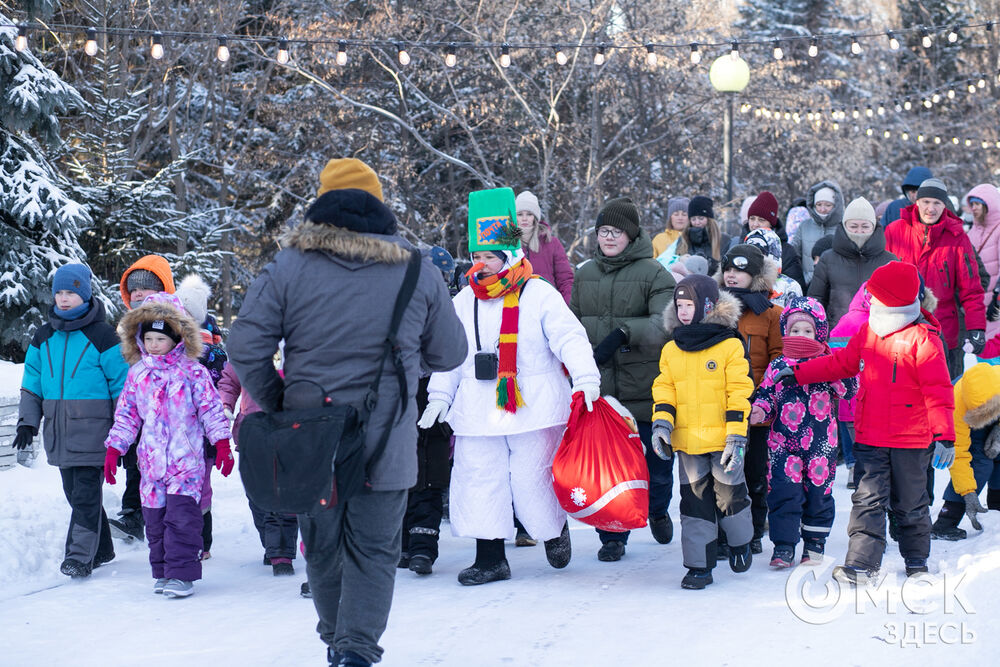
(630, 613)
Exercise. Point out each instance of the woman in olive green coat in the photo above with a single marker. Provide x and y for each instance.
(619, 297)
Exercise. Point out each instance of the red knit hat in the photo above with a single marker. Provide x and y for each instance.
(765, 206)
(895, 284)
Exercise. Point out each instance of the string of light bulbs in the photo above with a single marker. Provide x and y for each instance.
(159, 39)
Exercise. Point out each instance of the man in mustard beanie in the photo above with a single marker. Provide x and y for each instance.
(349, 173)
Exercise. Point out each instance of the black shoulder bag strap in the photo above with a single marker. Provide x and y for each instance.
(475, 315)
(391, 350)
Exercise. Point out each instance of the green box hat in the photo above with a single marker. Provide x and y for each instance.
(493, 220)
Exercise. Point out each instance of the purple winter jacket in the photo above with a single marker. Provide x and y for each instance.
(171, 398)
(550, 261)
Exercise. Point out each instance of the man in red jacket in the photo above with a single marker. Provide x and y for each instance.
(932, 238)
(905, 404)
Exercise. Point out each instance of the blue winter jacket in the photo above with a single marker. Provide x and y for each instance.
(914, 177)
(73, 373)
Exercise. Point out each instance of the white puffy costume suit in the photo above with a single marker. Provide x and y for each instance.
(503, 457)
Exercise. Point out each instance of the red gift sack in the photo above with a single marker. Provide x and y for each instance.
(599, 472)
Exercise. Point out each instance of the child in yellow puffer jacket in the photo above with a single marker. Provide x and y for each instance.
(701, 402)
(977, 445)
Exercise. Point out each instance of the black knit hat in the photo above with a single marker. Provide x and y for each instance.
(160, 327)
(702, 290)
(701, 205)
(933, 188)
(620, 213)
(822, 245)
(744, 257)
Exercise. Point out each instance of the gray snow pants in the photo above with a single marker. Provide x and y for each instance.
(351, 554)
(705, 489)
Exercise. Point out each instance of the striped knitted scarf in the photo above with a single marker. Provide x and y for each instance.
(506, 284)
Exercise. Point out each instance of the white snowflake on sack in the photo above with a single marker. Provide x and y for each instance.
(578, 496)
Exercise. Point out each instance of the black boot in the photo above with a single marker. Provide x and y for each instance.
(490, 565)
(946, 525)
(740, 558)
(206, 531)
(993, 499)
(662, 529)
(129, 526)
(559, 550)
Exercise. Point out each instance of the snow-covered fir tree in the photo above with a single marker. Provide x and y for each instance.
(39, 220)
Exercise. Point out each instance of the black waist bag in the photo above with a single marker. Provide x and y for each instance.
(305, 461)
(294, 460)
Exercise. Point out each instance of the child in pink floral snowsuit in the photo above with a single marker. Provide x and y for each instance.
(171, 398)
(803, 438)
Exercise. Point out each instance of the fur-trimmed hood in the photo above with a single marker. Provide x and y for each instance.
(727, 312)
(764, 282)
(343, 243)
(161, 306)
(981, 395)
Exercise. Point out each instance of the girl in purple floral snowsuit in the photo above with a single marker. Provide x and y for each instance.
(171, 398)
(803, 438)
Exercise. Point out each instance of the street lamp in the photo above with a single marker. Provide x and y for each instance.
(729, 74)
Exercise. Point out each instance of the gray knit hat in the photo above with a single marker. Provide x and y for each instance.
(143, 279)
(620, 213)
(933, 188)
(675, 204)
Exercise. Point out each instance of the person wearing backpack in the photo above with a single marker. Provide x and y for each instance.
(331, 293)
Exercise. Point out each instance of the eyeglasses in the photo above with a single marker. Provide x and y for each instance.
(609, 232)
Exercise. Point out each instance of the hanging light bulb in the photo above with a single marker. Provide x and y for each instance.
(898, 107)
(920, 138)
(90, 48)
(402, 56)
(341, 53)
(757, 113)
(935, 98)
(937, 139)
(156, 50)
(505, 55)
(21, 43)
(788, 114)
(869, 131)
(869, 111)
(599, 57)
(222, 53)
(778, 53)
(734, 51)
(925, 38)
(926, 102)
(695, 54)
(810, 116)
(283, 56)
(951, 93)
(893, 42)
(971, 87)
(855, 46)
(905, 136)
(887, 134)
(954, 140)
(953, 35)
(881, 109)
(985, 144)
(450, 59)
(560, 56)
(998, 144)
(855, 114)
(813, 48)
(981, 83)
(907, 105)
(968, 142)
(836, 126)
(650, 56)
(796, 117)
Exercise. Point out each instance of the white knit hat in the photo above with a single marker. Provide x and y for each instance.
(825, 194)
(527, 201)
(859, 209)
